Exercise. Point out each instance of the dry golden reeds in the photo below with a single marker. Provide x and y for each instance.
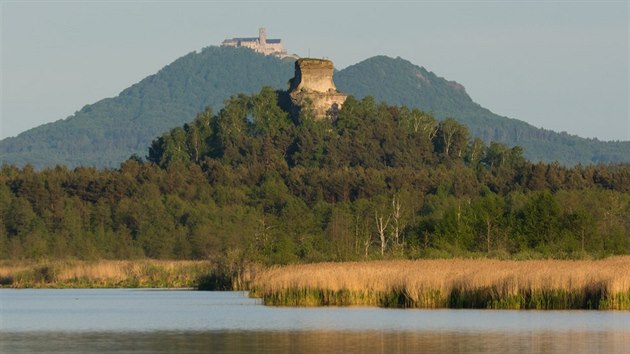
(104, 273)
(541, 284)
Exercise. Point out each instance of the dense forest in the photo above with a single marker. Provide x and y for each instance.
(255, 183)
(107, 132)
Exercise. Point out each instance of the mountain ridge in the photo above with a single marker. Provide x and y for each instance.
(539, 144)
(105, 133)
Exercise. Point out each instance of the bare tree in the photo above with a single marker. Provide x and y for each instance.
(367, 242)
(381, 227)
(362, 236)
(397, 223)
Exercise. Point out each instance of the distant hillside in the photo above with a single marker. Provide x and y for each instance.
(397, 81)
(107, 132)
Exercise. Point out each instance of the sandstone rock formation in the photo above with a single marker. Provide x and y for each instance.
(313, 87)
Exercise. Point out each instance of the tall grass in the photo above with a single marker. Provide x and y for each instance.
(456, 283)
(104, 274)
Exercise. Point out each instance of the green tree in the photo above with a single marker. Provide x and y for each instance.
(488, 213)
(451, 139)
(540, 220)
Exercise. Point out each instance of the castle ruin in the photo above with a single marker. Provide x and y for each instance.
(313, 86)
(259, 45)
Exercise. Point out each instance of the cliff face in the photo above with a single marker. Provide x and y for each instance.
(313, 85)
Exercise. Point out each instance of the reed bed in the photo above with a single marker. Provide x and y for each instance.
(456, 283)
(103, 274)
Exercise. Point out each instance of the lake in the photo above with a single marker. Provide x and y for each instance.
(186, 321)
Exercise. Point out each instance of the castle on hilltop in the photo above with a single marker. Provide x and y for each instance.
(312, 87)
(259, 45)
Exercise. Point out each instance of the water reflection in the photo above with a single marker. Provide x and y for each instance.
(140, 321)
(315, 342)
(124, 310)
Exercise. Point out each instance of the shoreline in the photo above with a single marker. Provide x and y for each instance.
(455, 283)
(428, 284)
(104, 274)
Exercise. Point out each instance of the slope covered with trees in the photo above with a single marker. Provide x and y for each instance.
(252, 183)
(107, 132)
(397, 81)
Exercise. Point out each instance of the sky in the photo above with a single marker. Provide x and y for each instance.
(560, 65)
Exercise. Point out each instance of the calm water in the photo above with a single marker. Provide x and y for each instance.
(155, 321)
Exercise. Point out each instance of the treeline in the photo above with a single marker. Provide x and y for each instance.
(256, 183)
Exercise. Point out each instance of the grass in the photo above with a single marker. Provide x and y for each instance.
(456, 283)
(103, 274)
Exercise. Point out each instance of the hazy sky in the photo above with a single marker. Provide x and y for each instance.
(561, 65)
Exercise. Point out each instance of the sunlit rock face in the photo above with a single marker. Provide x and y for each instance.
(313, 87)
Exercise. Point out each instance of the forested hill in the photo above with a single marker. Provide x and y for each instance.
(397, 81)
(107, 132)
(254, 183)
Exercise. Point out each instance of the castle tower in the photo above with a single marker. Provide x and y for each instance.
(313, 83)
(262, 44)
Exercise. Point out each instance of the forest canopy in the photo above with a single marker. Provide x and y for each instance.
(253, 182)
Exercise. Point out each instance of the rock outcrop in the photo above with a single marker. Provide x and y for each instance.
(313, 87)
